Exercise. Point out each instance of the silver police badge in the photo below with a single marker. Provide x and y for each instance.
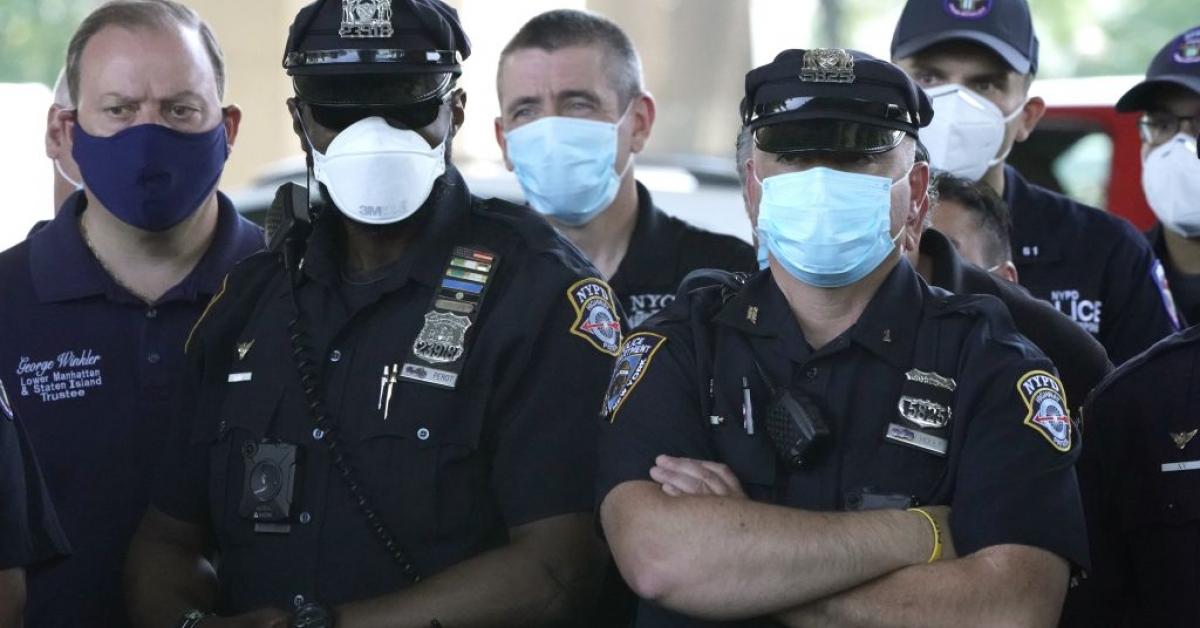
(924, 412)
(827, 65)
(441, 339)
(366, 19)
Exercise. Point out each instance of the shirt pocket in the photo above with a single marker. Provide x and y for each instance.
(243, 417)
(751, 458)
(897, 469)
(426, 463)
(1160, 523)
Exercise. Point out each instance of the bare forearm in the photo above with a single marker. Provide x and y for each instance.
(724, 558)
(985, 589)
(164, 579)
(515, 585)
(12, 597)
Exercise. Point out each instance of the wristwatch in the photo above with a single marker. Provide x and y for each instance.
(312, 615)
(191, 617)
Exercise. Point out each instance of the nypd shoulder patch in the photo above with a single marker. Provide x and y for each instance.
(1047, 409)
(631, 365)
(596, 319)
(1159, 275)
(6, 410)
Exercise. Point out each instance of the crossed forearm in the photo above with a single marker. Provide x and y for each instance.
(726, 558)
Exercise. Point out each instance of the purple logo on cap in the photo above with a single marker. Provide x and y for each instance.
(1189, 48)
(971, 9)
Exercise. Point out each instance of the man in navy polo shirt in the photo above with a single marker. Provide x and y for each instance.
(977, 59)
(98, 302)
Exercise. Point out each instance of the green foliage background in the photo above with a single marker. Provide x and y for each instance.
(34, 36)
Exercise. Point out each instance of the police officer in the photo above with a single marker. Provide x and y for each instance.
(426, 458)
(976, 221)
(1137, 471)
(977, 61)
(98, 301)
(1169, 100)
(835, 390)
(573, 115)
(1079, 358)
(29, 530)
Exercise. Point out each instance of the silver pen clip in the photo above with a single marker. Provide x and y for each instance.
(387, 406)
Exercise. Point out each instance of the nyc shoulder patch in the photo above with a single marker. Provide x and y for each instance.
(596, 319)
(1046, 403)
(6, 410)
(636, 354)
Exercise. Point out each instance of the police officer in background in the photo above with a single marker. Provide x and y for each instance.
(97, 302)
(573, 115)
(30, 534)
(1138, 471)
(1169, 100)
(834, 441)
(977, 61)
(1079, 358)
(426, 458)
(976, 221)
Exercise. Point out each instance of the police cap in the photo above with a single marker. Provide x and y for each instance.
(1003, 26)
(832, 100)
(1178, 63)
(338, 49)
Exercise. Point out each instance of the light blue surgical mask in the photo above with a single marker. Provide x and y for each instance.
(567, 166)
(827, 228)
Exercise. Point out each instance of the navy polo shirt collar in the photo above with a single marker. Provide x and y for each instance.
(887, 327)
(947, 268)
(63, 268)
(1033, 234)
(426, 258)
(649, 256)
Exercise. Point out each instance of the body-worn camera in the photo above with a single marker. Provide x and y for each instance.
(796, 427)
(269, 483)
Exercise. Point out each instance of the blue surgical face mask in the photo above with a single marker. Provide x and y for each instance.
(567, 166)
(149, 176)
(827, 228)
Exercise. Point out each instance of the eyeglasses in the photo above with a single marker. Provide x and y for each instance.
(1158, 127)
(413, 116)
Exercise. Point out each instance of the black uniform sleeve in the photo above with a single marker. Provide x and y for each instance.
(1135, 312)
(29, 529)
(1016, 483)
(545, 451)
(651, 408)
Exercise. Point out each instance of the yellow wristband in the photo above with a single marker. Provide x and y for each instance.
(937, 534)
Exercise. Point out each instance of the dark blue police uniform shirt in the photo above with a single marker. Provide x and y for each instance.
(1093, 266)
(1003, 474)
(1140, 478)
(449, 470)
(662, 251)
(30, 534)
(93, 371)
(1184, 288)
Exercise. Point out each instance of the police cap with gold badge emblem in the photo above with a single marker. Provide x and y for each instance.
(339, 52)
(833, 100)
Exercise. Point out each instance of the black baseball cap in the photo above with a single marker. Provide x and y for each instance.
(335, 47)
(1003, 26)
(1178, 63)
(832, 99)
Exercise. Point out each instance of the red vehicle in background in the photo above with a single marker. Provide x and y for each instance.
(1085, 149)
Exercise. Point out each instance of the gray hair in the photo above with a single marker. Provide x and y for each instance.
(146, 14)
(565, 28)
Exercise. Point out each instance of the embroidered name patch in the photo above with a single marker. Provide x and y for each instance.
(68, 375)
(596, 318)
(1046, 403)
(631, 365)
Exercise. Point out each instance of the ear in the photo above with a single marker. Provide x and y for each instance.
(498, 130)
(918, 189)
(1008, 272)
(458, 109)
(232, 122)
(1034, 109)
(57, 140)
(751, 193)
(643, 113)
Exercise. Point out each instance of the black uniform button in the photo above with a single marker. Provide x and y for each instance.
(318, 433)
(298, 601)
(152, 313)
(153, 358)
(813, 373)
(335, 356)
(305, 517)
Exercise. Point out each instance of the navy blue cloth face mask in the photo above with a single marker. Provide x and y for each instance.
(150, 176)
